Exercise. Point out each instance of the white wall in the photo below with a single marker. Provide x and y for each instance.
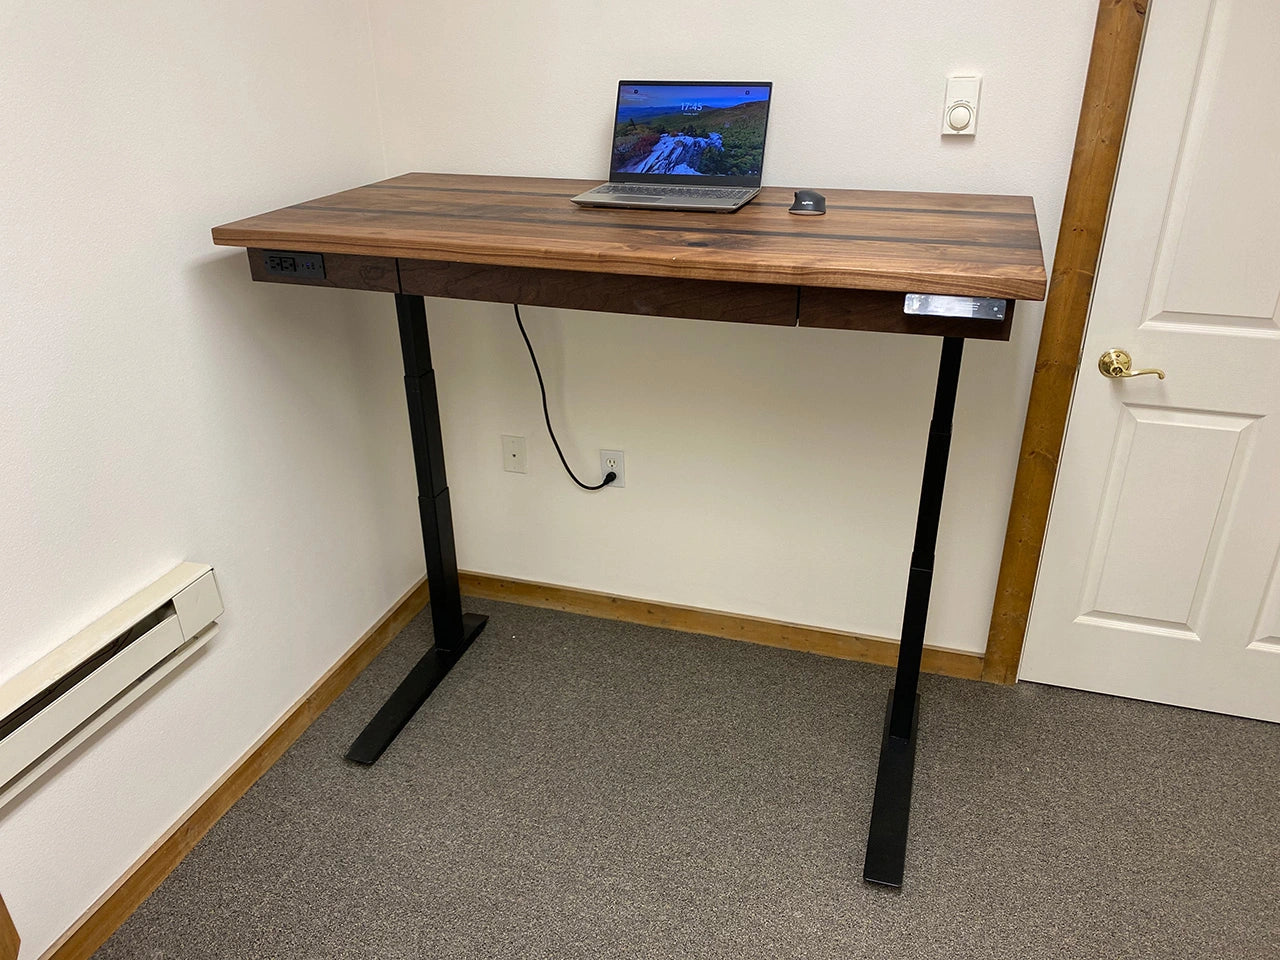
(158, 406)
(771, 472)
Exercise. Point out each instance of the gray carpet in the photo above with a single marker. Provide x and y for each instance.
(579, 788)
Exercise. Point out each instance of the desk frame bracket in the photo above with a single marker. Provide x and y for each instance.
(891, 809)
(453, 629)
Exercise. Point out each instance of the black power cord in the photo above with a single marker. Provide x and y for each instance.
(608, 477)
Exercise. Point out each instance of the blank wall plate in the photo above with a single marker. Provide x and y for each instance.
(513, 455)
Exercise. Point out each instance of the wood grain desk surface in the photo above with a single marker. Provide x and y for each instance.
(868, 240)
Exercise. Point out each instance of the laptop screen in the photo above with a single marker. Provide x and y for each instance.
(705, 133)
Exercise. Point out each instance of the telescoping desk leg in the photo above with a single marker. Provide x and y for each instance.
(454, 630)
(891, 809)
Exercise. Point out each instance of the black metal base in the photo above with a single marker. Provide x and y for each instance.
(891, 809)
(411, 694)
(453, 630)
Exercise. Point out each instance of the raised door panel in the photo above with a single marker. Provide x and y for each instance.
(1265, 637)
(1173, 476)
(1218, 261)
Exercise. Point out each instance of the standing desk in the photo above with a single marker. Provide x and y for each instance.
(520, 240)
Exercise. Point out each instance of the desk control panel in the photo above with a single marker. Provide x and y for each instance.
(938, 305)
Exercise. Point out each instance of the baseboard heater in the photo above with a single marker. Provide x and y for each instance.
(64, 697)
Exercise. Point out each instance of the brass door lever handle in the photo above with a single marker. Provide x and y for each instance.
(1115, 365)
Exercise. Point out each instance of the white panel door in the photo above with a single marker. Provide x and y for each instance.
(1160, 577)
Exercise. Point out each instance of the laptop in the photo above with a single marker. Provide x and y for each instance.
(685, 146)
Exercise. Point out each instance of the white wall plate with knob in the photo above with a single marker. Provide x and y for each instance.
(960, 109)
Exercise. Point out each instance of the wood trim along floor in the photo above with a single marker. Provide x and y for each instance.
(1104, 109)
(116, 905)
(773, 633)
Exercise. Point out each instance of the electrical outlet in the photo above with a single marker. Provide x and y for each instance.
(513, 455)
(614, 460)
(287, 263)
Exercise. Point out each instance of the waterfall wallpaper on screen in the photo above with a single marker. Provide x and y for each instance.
(696, 129)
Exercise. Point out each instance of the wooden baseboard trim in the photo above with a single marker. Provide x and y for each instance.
(772, 633)
(126, 895)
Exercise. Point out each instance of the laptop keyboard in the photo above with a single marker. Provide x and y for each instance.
(698, 193)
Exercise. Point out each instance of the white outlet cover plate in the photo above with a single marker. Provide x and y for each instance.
(514, 459)
(620, 459)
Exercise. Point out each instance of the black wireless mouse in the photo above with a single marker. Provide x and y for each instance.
(809, 202)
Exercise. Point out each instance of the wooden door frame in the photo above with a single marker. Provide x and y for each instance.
(1104, 110)
(8, 935)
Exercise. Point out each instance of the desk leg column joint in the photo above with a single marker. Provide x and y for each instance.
(891, 808)
(453, 630)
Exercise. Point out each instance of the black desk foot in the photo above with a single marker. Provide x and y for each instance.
(891, 809)
(411, 694)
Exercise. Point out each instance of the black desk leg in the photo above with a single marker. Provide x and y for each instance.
(891, 809)
(454, 630)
